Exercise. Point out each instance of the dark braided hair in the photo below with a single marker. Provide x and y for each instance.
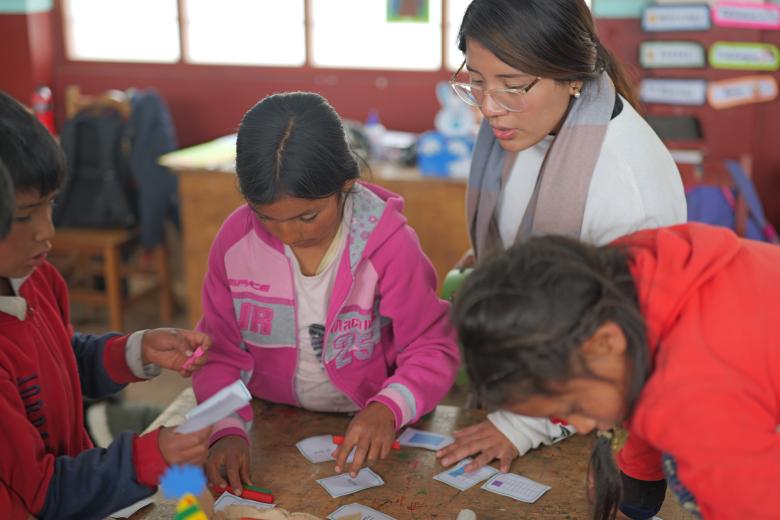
(522, 317)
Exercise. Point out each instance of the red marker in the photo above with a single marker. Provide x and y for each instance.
(339, 440)
(249, 494)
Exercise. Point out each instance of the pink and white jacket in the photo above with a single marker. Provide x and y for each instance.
(387, 339)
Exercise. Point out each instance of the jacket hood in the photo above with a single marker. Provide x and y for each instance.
(671, 264)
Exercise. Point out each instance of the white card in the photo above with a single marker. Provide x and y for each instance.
(216, 407)
(366, 513)
(419, 439)
(128, 511)
(515, 486)
(228, 499)
(319, 449)
(458, 478)
(340, 485)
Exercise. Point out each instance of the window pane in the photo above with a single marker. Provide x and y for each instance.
(118, 30)
(357, 34)
(252, 32)
(455, 10)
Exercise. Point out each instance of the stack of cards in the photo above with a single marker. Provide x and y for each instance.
(355, 509)
(517, 487)
(216, 407)
(458, 478)
(319, 449)
(419, 439)
(229, 499)
(343, 484)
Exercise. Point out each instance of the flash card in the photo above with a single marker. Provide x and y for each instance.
(340, 485)
(355, 509)
(318, 449)
(515, 486)
(419, 439)
(458, 478)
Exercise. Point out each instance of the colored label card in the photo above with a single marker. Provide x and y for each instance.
(671, 55)
(340, 485)
(415, 438)
(355, 510)
(619, 8)
(659, 18)
(689, 92)
(517, 487)
(457, 477)
(744, 56)
(746, 15)
(742, 91)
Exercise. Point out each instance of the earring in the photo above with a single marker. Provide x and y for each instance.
(577, 94)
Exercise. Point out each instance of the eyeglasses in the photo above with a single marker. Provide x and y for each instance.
(510, 99)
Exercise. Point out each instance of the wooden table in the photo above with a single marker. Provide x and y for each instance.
(409, 491)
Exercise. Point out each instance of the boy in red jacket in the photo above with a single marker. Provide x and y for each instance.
(671, 333)
(48, 467)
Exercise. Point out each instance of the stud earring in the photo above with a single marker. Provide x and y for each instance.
(577, 94)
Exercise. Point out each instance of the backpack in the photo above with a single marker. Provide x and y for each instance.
(99, 189)
(733, 204)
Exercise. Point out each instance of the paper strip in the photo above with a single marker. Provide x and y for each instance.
(742, 91)
(672, 55)
(744, 56)
(689, 92)
(748, 16)
(657, 18)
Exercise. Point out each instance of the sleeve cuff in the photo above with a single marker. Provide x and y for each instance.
(148, 460)
(401, 402)
(232, 425)
(115, 361)
(134, 357)
(503, 424)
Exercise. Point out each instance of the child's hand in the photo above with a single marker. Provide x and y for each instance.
(173, 348)
(483, 438)
(184, 448)
(229, 457)
(372, 432)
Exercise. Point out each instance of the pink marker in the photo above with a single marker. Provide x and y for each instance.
(195, 356)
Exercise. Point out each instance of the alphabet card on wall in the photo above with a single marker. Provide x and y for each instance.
(662, 18)
(744, 56)
(742, 91)
(687, 92)
(671, 55)
(746, 15)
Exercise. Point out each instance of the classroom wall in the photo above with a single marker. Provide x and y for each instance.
(752, 129)
(26, 52)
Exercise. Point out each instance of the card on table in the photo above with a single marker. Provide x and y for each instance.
(216, 407)
(127, 512)
(457, 477)
(515, 486)
(228, 499)
(319, 449)
(415, 438)
(354, 509)
(340, 485)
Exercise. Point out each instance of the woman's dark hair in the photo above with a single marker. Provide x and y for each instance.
(523, 315)
(32, 157)
(293, 144)
(548, 38)
(6, 201)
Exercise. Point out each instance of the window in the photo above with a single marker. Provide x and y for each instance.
(247, 32)
(117, 30)
(455, 11)
(366, 39)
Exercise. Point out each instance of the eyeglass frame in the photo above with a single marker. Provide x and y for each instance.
(523, 90)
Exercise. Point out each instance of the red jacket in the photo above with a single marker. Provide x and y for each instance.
(48, 466)
(712, 402)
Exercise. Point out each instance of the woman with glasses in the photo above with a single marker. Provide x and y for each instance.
(561, 149)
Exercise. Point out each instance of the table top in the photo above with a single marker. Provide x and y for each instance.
(409, 491)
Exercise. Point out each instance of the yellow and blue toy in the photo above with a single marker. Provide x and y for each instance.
(184, 484)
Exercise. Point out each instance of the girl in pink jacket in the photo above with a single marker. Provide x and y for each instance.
(317, 292)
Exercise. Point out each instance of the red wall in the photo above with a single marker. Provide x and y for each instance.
(26, 57)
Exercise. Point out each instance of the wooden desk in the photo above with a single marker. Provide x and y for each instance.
(435, 208)
(409, 491)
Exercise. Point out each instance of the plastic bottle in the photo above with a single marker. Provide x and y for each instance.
(375, 131)
(42, 107)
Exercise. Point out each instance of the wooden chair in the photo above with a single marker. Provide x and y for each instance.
(82, 254)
